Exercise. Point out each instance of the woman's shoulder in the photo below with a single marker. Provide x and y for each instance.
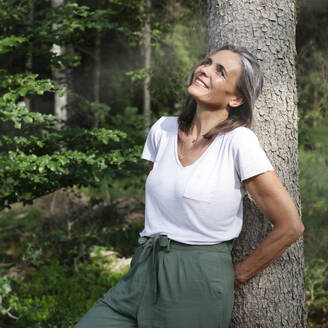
(241, 136)
(166, 124)
(240, 133)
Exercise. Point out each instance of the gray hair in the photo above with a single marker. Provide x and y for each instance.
(250, 82)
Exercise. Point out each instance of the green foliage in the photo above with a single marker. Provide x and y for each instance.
(21, 85)
(27, 177)
(63, 263)
(55, 295)
(64, 25)
(312, 23)
(312, 91)
(8, 43)
(8, 300)
(37, 157)
(317, 292)
(313, 179)
(138, 74)
(72, 18)
(313, 185)
(58, 279)
(312, 79)
(311, 65)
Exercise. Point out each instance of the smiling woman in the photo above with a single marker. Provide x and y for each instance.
(248, 86)
(201, 165)
(215, 79)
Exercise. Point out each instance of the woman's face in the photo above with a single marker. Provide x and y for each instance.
(214, 81)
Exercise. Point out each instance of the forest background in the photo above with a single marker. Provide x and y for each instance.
(72, 184)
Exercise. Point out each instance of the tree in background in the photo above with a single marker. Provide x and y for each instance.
(95, 35)
(38, 157)
(59, 75)
(145, 9)
(276, 297)
(103, 42)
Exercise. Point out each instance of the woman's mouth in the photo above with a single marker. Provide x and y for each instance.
(198, 81)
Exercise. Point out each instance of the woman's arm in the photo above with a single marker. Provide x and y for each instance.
(276, 204)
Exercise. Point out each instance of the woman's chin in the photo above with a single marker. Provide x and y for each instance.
(194, 91)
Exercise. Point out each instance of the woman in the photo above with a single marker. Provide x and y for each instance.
(201, 164)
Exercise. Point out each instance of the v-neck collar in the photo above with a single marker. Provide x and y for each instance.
(176, 150)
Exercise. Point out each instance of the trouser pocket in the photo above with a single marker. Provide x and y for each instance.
(218, 273)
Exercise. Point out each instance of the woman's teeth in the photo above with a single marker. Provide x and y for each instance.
(201, 83)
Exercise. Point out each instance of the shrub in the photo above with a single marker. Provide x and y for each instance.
(317, 292)
(55, 295)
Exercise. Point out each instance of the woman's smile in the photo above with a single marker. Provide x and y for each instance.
(200, 82)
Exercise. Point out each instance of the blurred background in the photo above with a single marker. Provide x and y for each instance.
(81, 82)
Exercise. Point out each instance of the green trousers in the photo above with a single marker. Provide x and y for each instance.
(169, 285)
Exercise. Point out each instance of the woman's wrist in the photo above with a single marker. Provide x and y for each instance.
(240, 274)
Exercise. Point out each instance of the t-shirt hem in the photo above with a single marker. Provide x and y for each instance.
(254, 173)
(189, 242)
(148, 158)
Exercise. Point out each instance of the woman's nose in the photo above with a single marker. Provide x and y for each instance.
(204, 69)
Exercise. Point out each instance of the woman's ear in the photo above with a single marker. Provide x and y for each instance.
(236, 101)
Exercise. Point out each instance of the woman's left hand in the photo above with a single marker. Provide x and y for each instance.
(238, 278)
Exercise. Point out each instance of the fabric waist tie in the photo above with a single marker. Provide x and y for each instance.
(155, 243)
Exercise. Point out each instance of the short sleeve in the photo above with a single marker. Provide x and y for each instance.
(152, 142)
(250, 158)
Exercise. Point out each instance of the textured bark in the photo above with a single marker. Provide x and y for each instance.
(275, 297)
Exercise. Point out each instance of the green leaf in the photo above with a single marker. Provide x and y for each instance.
(28, 119)
(17, 125)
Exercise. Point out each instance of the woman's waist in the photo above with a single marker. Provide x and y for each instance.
(165, 241)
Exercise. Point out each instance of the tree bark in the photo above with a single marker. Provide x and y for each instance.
(96, 73)
(97, 68)
(275, 297)
(59, 75)
(147, 63)
(29, 59)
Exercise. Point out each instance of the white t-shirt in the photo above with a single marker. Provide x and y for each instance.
(201, 203)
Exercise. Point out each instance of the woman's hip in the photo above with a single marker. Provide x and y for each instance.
(176, 285)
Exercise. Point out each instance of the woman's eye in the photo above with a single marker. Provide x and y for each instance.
(220, 70)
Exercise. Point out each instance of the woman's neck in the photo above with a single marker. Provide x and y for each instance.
(204, 120)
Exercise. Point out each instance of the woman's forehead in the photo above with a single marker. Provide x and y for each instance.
(229, 59)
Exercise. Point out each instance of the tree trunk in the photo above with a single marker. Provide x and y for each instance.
(147, 63)
(97, 67)
(59, 75)
(275, 297)
(29, 59)
(96, 73)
